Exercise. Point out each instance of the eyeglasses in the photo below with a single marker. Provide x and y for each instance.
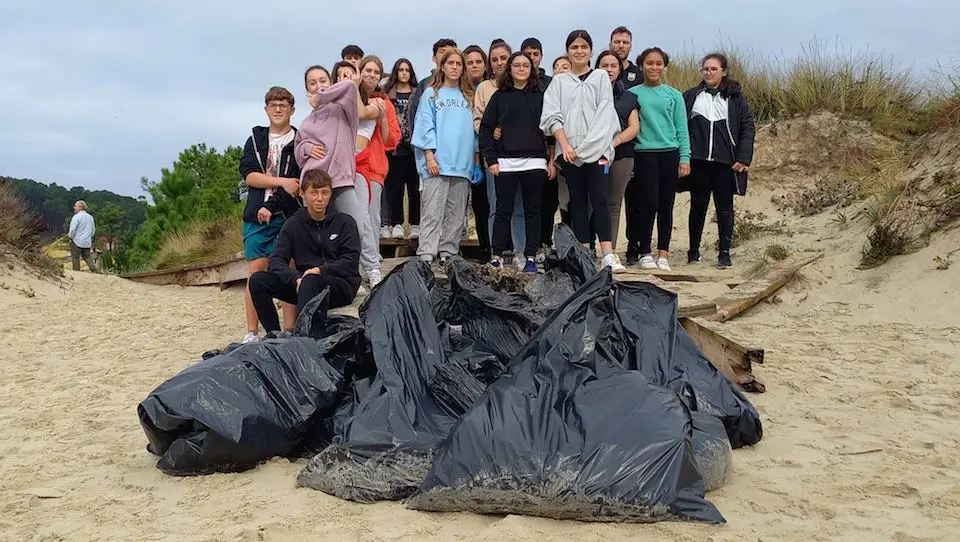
(280, 107)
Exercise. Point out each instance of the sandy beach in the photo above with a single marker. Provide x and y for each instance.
(860, 416)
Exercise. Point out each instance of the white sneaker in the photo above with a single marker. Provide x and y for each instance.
(613, 262)
(414, 232)
(398, 232)
(647, 262)
(374, 277)
(385, 232)
(663, 264)
(250, 337)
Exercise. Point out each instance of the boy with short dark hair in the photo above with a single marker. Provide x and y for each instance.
(324, 246)
(272, 175)
(440, 48)
(352, 54)
(534, 49)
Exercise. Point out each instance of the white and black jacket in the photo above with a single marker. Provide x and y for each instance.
(721, 126)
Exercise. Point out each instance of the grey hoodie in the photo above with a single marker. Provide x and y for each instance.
(585, 111)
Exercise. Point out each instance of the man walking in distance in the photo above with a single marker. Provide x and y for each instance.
(82, 230)
(271, 173)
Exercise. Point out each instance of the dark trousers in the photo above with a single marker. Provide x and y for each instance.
(530, 184)
(588, 185)
(481, 213)
(76, 253)
(656, 175)
(717, 179)
(402, 175)
(266, 286)
(549, 204)
(633, 248)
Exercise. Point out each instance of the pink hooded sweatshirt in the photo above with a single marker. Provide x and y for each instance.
(334, 125)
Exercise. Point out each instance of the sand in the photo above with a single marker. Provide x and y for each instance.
(861, 414)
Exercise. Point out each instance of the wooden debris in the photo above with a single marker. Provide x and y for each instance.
(733, 359)
(666, 276)
(756, 290)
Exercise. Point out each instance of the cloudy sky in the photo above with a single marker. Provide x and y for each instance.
(101, 93)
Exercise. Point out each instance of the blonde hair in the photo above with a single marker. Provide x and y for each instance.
(465, 85)
(82, 204)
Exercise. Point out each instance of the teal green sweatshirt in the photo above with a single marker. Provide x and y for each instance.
(663, 120)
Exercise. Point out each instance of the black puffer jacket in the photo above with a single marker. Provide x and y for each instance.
(721, 126)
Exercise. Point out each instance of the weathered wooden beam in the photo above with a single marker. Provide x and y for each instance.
(667, 276)
(748, 294)
(730, 357)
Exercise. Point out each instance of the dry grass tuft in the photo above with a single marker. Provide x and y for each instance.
(201, 242)
(20, 234)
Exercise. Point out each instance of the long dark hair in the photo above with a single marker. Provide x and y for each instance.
(394, 78)
(483, 54)
(506, 78)
(364, 95)
(498, 43)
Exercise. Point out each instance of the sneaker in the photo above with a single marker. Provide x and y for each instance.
(398, 232)
(647, 262)
(693, 257)
(613, 262)
(496, 263)
(541, 257)
(414, 232)
(250, 337)
(374, 277)
(385, 232)
(530, 266)
(663, 264)
(633, 259)
(724, 261)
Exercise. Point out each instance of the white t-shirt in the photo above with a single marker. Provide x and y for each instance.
(275, 146)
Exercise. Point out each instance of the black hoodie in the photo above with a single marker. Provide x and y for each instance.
(254, 157)
(722, 128)
(517, 113)
(332, 244)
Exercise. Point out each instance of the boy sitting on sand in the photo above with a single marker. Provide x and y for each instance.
(325, 248)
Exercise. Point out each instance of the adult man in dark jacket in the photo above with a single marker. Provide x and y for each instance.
(325, 248)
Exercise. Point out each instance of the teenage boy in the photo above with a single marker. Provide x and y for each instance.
(621, 43)
(440, 48)
(272, 176)
(532, 48)
(324, 246)
(352, 54)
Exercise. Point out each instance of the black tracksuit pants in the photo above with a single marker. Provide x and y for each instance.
(266, 286)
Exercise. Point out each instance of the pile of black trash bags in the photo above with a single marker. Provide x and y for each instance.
(575, 398)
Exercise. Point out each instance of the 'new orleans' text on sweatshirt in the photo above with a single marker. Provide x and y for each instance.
(332, 124)
(583, 107)
(444, 124)
(663, 120)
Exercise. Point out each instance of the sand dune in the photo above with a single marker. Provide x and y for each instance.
(861, 416)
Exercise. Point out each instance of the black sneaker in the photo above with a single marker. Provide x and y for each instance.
(724, 261)
(693, 256)
(632, 259)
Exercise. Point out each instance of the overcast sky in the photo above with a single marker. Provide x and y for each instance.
(100, 93)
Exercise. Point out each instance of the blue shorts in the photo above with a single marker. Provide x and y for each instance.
(258, 239)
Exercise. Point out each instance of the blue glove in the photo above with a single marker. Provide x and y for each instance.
(478, 175)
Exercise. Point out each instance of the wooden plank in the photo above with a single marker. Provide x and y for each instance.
(668, 276)
(730, 357)
(391, 242)
(756, 290)
(697, 309)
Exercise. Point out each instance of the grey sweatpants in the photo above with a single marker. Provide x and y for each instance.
(444, 206)
(620, 172)
(347, 199)
(375, 208)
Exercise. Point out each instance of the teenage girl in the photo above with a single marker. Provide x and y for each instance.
(578, 111)
(402, 175)
(444, 145)
(661, 157)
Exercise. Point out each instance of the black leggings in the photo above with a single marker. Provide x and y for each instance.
(655, 174)
(402, 174)
(481, 213)
(718, 179)
(548, 210)
(588, 183)
(530, 184)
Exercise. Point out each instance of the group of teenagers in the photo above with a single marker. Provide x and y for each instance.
(493, 131)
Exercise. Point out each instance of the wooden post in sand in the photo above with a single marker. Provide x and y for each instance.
(730, 357)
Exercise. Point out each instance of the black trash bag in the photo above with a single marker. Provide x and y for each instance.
(662, 350)
(712, 453)
(232, 411)
(469, 369)
(387, 444)
(501, 322)
(571, 257)
(568, 433)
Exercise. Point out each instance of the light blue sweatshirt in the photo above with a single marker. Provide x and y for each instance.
(444, 124)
